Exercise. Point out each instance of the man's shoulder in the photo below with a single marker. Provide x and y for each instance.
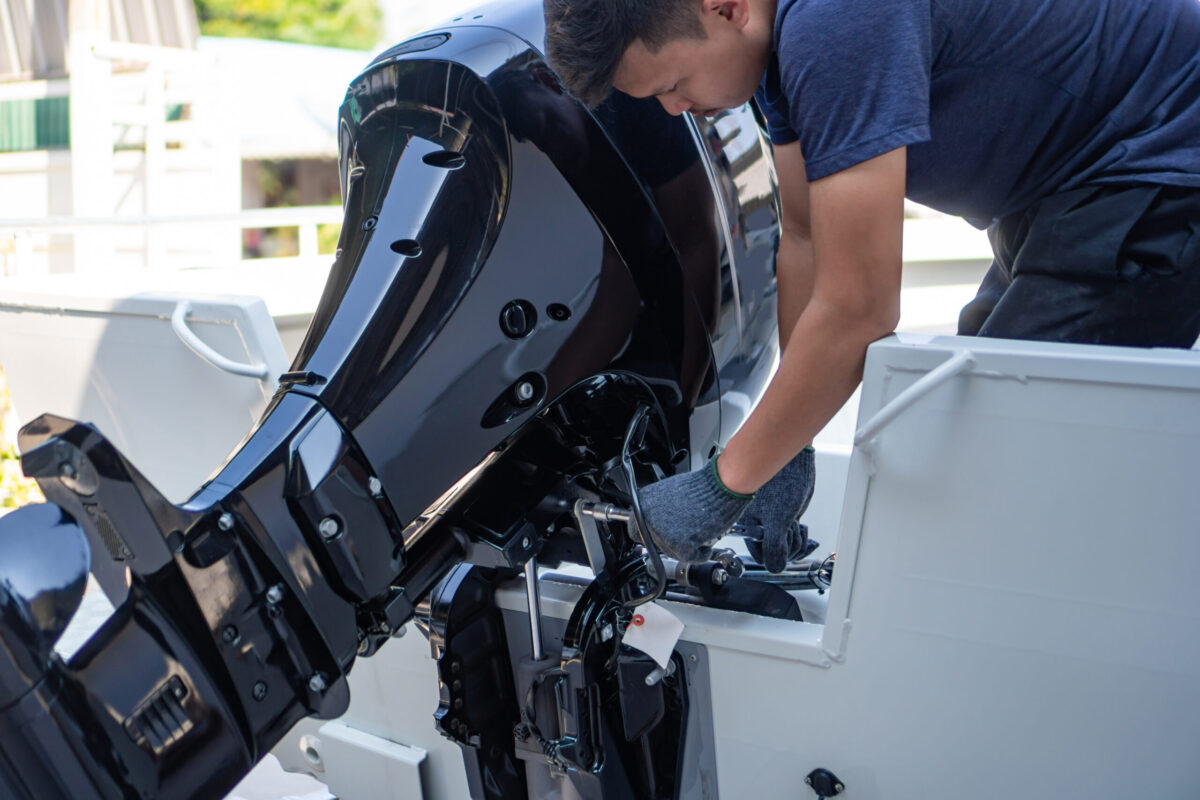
(836, 23)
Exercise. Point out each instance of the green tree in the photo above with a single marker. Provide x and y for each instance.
(354, 24)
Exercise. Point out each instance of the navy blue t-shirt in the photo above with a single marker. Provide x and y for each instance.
(1000, 102)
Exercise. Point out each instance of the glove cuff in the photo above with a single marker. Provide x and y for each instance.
(712, 465)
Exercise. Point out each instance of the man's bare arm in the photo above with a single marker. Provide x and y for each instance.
(856, 223)
(794, 266)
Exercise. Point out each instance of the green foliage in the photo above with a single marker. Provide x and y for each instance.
(327, 238)
(15, 489)
(354, 24)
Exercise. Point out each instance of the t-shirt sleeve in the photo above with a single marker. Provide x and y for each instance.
(856, 78)
(774, 105)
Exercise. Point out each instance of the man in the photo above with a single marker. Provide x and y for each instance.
(1070, 128)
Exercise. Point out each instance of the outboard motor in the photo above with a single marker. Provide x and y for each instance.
(517, 326)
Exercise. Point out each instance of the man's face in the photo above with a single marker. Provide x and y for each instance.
(702, 76)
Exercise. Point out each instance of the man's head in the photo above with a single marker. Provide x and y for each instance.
(693, 55)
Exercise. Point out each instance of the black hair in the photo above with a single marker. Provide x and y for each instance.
(586, 39)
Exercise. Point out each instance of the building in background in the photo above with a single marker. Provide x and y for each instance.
(107, 110)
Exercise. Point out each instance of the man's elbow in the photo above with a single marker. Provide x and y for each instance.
(885, 317)
(864, 319)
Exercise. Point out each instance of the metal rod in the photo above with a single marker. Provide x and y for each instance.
(605, 513)
(535, 607)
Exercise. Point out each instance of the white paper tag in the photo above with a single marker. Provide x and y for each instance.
(654, 631)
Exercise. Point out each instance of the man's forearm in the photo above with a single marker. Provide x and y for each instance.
(817, 374)
(794, 275)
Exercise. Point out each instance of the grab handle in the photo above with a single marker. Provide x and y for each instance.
(962, 361)
(188, 337)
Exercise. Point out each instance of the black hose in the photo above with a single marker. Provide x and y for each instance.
(660, 572)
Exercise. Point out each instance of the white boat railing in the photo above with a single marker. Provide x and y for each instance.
(19, 237)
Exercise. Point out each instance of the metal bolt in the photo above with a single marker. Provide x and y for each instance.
(225, 521)
(719, 576)
(275, 594)
(67, 470)
(839, 788)
(369, 223)
(259, 691)
(525, 543)
(229, 635)
(606, 633)
(329, 528)
(375, 486)
(654, 677)
(316, 683)
(524, 391)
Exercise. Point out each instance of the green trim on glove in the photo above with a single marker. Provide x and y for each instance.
(720, 483)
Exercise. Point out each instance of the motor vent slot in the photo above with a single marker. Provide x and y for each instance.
(113, 543)
(445, 159)
(409, 248)
(161, 720)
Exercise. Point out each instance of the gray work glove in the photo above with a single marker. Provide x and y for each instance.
(773, 534)
(686, 513)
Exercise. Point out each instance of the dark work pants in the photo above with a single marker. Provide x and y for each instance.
(1099, 265)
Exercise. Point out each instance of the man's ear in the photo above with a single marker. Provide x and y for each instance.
(735, 11)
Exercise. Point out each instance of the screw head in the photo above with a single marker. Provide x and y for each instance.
(275, 594)
(837, 787)
(329, 528)
(369, 223)
(259, 691)
(375, 486)
(225, 521)
(524, 392)
(525, 543)
(720, 576)
(229, 635)
(316, 683)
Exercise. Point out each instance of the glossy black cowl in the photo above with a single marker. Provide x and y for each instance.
(496, 250)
